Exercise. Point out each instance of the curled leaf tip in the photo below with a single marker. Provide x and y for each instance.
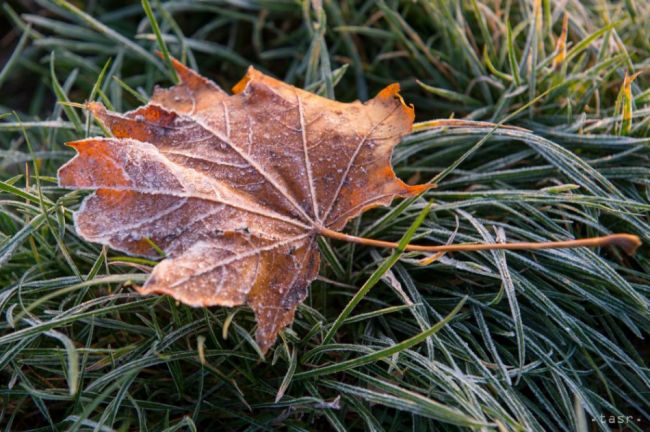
(392, 91)
(389, 91)
(415, 190)
(628, 242)
(242, 83)
(95, 107)
(74, 144)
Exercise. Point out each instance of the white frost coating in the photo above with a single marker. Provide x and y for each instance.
(226, 119)
(352, 159)
(146, 221)
(257, 167)
(194, 156)
(191, 181)
(250, 133)
(239, 257)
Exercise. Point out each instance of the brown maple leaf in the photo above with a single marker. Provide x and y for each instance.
(235, 188)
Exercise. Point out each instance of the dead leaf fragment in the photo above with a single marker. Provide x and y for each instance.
(560, 46)
(235, 188)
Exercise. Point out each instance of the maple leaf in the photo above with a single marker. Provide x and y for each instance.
(235, 188)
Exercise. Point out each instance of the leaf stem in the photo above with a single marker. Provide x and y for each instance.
(628, 242)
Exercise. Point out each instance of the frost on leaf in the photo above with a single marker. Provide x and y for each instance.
(235, 188)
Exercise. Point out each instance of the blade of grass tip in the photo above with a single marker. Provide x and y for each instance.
(626, 124)
(383, 353)
(8, 248)
(288, 377)
(384, 393)
(320, 87)
(155, 247)
(72, 354)
(63, 97)
(580, 416)
(100, 80)
(493, 69)
(512, 57)
(226, 324)
(161, 43)
(15, 179)
(4, 73)
(110, 33)
(95, 89)
(376, 276)
(44, 210)
(97, 265)
(94, 271)
(560, 44)
(53, 133)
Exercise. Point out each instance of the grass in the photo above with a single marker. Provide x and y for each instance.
(550, 340)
